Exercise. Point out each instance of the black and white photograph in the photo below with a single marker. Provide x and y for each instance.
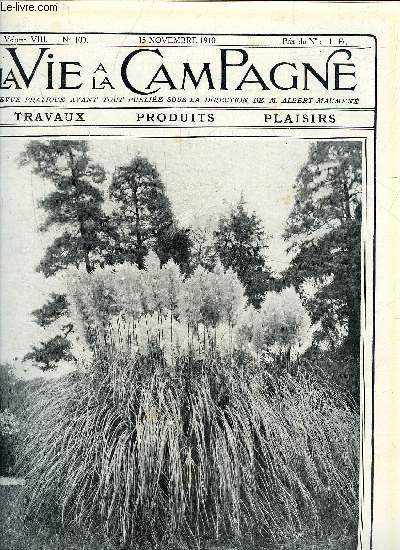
(181, 335)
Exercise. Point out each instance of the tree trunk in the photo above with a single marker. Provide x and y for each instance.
(82, 229)
(139, 254)
(87, 263)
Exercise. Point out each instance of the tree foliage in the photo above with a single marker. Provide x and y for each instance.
(85, 236)
(55, 308)
(51, 352)
(241, 245)
(74, 207)
(143, 217)
(323, 232)
(75, 216)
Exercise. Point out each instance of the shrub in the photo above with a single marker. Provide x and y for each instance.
(9, 425)
(9, 433)
(199, 450)
(11, 410)
(170, 434)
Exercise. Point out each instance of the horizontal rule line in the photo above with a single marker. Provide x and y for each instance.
(276, 126)
(310, 35)
(198, 136)
(181, 107)
(198, 45)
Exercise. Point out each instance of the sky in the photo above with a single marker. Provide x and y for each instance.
(203, 177)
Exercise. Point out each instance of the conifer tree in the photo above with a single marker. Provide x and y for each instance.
(241, 244)
(74, 213)
(323, 232)
(74, 207)
(142, 219)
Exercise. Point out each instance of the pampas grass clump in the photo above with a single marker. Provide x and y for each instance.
(201, 449)
(173, 429)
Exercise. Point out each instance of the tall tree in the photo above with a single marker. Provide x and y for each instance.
(74, 211)
(142, 218)
(241, 244)
(74, 208)
(323, 232)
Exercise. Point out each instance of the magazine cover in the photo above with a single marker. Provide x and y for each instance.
(198, 266)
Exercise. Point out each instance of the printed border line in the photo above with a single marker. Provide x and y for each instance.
(363, 347)
(310, 34)
(203, 45)
(361, 35)
(178, 107)
(283, 126)
(362, 365)
(199, 136)
(363, 341)
(374, 301)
